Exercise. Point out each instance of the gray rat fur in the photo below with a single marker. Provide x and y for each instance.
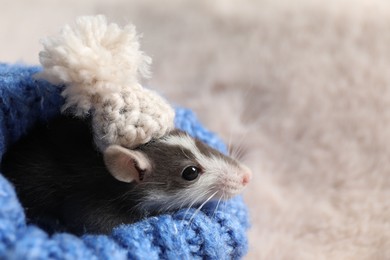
(59, 175)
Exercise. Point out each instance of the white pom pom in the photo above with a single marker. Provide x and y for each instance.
(93, 57)
(100, 64)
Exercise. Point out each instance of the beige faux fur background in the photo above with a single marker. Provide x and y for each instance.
(303, 87)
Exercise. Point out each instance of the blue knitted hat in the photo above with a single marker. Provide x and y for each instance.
(210, 234)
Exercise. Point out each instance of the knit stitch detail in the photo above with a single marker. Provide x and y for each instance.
(100, 64)
(211, 234)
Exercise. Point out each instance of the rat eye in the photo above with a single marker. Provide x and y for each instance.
(190, 173)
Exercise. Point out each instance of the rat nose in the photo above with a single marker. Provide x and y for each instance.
(247, 175)
(246, 179)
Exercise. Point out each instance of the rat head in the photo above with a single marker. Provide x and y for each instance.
(177, 171)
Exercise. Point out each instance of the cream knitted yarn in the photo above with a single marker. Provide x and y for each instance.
(100, 65)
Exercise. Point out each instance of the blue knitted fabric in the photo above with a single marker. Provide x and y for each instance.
(211, 234)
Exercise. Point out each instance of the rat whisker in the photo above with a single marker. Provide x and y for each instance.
(233, 151)
(183, 203)
(219, 201)
(229, 144)
(248, 156)
(201, 206)
(182, 150)
(193, 202)
(237, 152)
(245, 157)
(238, 149)
(245, 95)
(152, 182)
(129, 193)
(183, 199)
(202, 193)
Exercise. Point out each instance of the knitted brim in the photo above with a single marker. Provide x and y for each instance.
(210, 234)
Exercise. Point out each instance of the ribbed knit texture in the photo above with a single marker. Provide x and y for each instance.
(211, 234)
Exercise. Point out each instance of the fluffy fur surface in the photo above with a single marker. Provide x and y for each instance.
(100, 64)
(208, 234)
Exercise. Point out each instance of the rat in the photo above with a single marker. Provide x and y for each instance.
(60, 176)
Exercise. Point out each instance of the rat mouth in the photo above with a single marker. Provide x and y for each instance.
(226, 194)
(231, 187)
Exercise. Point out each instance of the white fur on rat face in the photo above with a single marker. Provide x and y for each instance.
(161, 169)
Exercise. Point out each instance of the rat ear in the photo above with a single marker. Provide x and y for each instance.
(126, 165)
